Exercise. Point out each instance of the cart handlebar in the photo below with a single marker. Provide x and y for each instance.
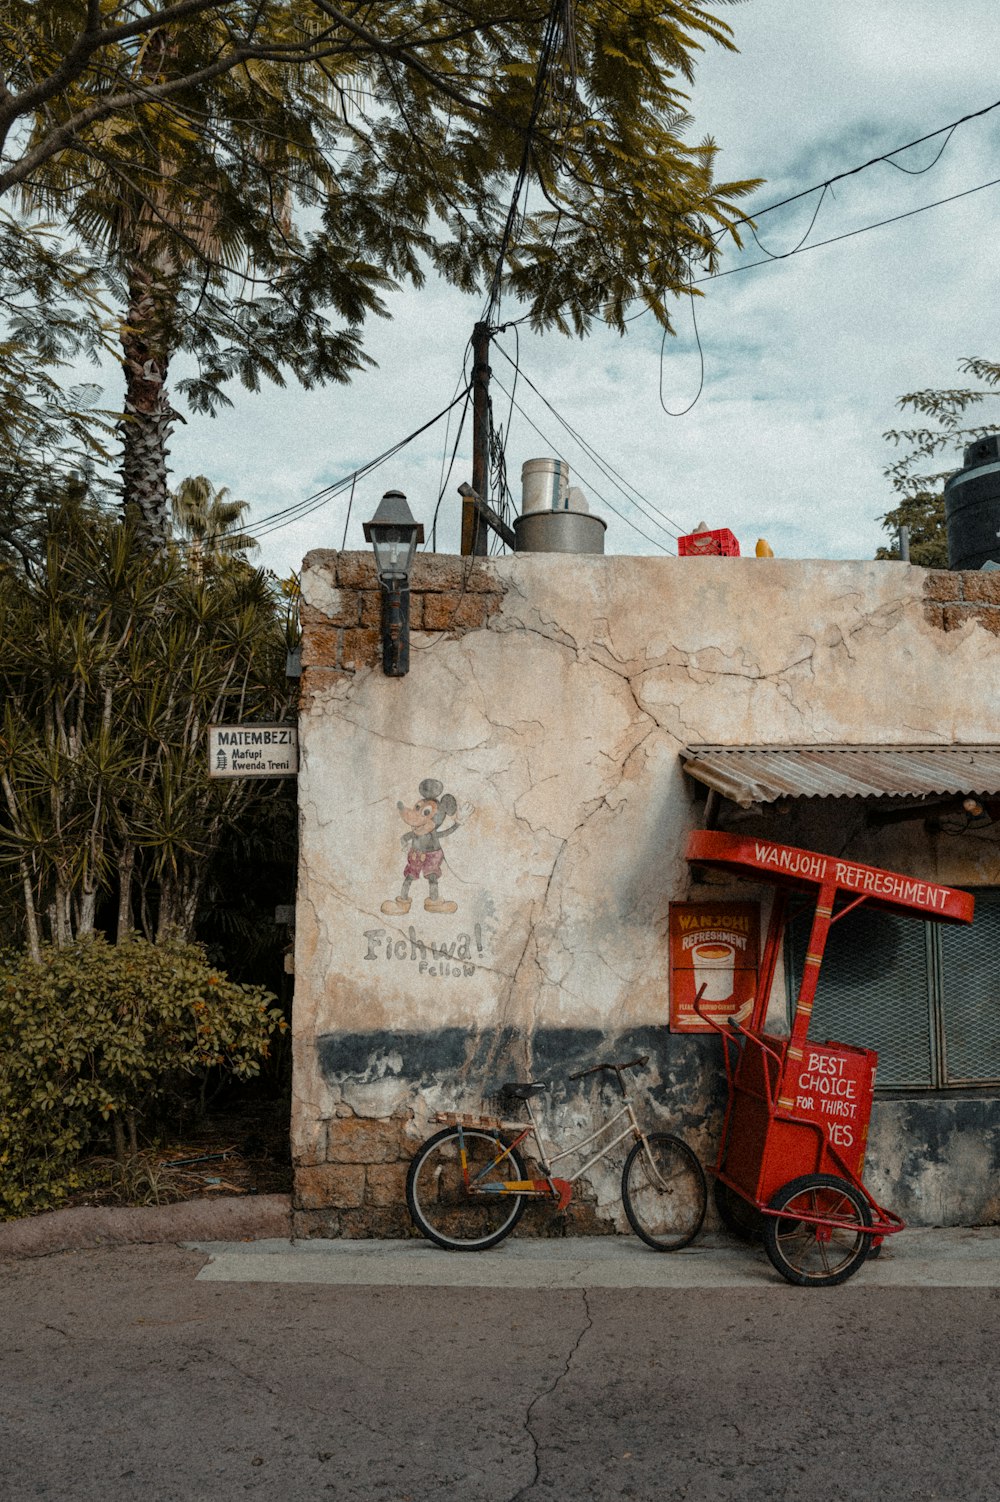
(730, 1031)
(720, 1027)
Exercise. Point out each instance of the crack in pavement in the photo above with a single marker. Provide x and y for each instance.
(524, 1490)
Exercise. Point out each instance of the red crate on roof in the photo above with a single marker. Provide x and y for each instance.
(718, 544)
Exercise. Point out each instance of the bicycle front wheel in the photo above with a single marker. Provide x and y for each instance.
(440, 1205)
(664, 1192)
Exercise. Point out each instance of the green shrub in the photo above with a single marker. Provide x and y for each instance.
(94, 1036)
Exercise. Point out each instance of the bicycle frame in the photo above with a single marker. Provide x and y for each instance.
(548, 1186)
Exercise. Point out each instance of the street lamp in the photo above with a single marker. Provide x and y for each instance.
(394, 535)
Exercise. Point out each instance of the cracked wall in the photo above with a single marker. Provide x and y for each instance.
(523, 932)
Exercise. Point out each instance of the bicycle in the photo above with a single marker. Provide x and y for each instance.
(467, 1186)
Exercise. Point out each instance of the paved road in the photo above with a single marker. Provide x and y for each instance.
(125, 1374)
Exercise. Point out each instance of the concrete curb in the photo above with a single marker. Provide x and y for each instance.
(234, 1218)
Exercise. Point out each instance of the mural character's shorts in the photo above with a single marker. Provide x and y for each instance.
(423, 863)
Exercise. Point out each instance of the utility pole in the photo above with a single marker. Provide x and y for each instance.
(474, 532)
(904, 544)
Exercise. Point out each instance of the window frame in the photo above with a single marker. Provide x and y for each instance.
(934, 1008)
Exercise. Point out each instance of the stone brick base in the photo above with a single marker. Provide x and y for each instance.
(393, 1223)
(360, 1191)
(953, 600)
(341, 613)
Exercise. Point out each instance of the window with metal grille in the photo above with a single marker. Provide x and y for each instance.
(926, 996)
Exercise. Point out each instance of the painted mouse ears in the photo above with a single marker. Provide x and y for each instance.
(431, 788)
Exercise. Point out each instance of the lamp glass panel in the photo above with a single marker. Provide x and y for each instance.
(394, 548)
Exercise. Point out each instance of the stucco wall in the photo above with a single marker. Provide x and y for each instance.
(550, 696)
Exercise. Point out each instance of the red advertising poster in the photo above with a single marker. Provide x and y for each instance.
(712, 945)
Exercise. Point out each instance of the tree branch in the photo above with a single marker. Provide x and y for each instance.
(93, 39)
(309, 50)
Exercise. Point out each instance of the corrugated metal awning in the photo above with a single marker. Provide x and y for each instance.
(762, 774)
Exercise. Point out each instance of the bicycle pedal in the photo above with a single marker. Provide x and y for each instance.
(564, 1190)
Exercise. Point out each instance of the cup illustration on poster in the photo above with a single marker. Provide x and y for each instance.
(714, 965)
(714, 949)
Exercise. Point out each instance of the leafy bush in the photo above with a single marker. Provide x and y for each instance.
(94, 1036)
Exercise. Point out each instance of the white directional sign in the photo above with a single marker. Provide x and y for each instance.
(253, 750)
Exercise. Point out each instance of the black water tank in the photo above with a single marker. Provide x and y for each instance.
(972, 506)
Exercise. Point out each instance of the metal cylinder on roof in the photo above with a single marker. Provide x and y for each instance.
(972, 506)
(559, 532)
(544, 485)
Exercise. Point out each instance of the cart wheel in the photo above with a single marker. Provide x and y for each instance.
(818, 1256)
(738, 1216)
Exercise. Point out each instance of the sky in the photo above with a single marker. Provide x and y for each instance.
(804, 358)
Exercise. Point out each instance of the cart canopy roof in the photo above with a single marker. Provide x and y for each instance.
(808, 870)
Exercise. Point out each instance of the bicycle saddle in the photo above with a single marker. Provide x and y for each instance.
(522, 1091)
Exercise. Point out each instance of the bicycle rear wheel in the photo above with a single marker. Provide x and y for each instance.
(441, 1207)
(664, 1192)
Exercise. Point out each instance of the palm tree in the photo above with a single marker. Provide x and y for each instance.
(208, 522)
(188, 200)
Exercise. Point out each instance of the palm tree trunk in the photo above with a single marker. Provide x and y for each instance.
(126, 869)
(149, 417)
(30, 916)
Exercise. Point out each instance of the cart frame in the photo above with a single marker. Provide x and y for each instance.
(773, 1155)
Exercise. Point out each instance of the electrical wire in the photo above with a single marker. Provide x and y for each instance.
(500, 493)
(919, 171)
(802, 246)
(874, 162)
(347, 518)
(947, 130)
(849, 234)
(589, 483)
(276, 520)
(652, 512)
(782, 255)
(447, 476)
(701, 357)
(799, 249)
(541, 78)
(517, 368)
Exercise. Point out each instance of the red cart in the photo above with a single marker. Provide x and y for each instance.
(796, 1124)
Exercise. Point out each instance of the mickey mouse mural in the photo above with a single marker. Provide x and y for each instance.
(425, 856)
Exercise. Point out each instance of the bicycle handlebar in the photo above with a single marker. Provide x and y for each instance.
(625, 1064)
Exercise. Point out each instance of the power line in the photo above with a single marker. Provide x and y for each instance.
(701, 362)
(875, 160)
(823, 188)
(848, 234)
(446, 476)
(800, 249)
(300, 509)
(652, 512)
(275, 521)
(781, 255)
(590, 484)
(541, 78)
